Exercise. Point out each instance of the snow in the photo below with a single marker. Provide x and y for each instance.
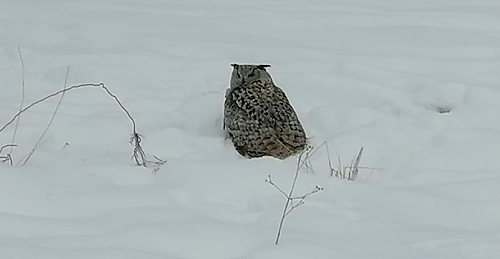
(359, 73)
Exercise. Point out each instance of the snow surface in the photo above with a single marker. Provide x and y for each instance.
(359, 73)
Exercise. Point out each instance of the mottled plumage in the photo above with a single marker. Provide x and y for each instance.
(258, 117)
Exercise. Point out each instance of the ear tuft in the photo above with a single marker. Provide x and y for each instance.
(234, 65)
(263, 66)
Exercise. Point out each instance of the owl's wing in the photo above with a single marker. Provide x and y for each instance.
(226, 96)
(281, 107)
(246, 102)
(268, 110)
(271, 109)
(288, 124)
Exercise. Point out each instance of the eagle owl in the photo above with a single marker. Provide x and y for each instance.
(258, 117)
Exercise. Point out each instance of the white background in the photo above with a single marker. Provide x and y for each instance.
(359, 73)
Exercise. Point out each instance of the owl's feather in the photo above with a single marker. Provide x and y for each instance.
(260, 120)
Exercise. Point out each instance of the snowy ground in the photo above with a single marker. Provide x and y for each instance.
(359, 73)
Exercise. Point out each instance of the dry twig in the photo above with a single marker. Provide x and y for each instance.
(7, 158)
(20, 105)
(138, 152)
(290, 205)
(50, 121)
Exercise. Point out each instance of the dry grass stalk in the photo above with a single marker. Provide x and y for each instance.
(138, 152)
(292, 202)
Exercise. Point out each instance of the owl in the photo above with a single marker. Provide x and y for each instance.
(258, 118)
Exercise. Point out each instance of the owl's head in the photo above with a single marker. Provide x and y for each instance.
(244, 74)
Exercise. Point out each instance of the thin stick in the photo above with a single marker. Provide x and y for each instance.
(270, 181)
(339, 174)
(302, 198)
(307, 159)
(315, 190)
(349, 173)
(51, 119)
(158, 163)
(22, 100)
(355, 170)
(294, 206)
(138, 153)
(308, 154)
(45, 98)
(288, 200)
(329, 159)
(371, 168)
(121, 106)
(316, 150)
(290, 205)
(6, 146)
(6, 158)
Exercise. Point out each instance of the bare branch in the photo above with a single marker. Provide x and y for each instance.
(6, 159)
(349, 172)
(138, 155)
(301, 202)
(315, 190)
(289, 204)
(268, 180)
(6, 146)
(288, 200)
(46, 98)
(304, 157)
(370, 168)
(138, 152)
(50, 121)
(121, 106)
(21, 104)
(157, 164)
(355, 170)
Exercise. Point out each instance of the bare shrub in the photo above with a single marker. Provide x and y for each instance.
(138, 154)
(292, 202)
